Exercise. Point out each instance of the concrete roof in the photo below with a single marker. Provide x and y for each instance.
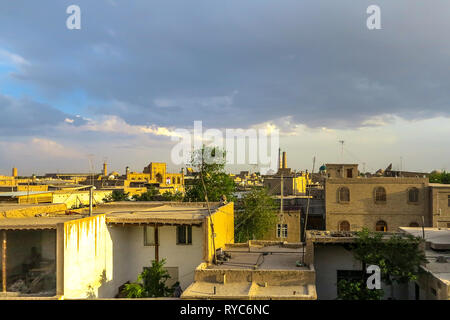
(276, 257)
(155, 212)
(438, 245)
(439, 185)
(14, 210)
(439, 239)
(256, 270)
(34, 223)
(13, 194)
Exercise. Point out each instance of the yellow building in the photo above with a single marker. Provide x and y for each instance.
(156, 173)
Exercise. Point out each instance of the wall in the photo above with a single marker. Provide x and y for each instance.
(362, 211)
(439, 208)
(292, 219)
(223, 220)
(138, 256)
(73, 199)
(87, 257)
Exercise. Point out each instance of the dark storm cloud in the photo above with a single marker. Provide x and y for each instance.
(237, 63)
(22, 117)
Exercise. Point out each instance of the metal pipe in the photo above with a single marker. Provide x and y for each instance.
(4, 261)
(91, 195)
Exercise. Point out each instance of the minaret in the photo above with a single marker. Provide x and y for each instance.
(105, 169)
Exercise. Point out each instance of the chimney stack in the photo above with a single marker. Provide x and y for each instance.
(284, 160)
(105, 169)
(279, 158)
(14, 172)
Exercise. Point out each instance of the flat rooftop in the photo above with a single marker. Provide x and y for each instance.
(13, 194)
(151, 212)
(259, 257)
(13, 210)
(437, 251)
(438, 238)
(35, 223)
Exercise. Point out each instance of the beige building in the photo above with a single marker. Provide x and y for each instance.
(341, 170)
(379, 204)
(440, 204)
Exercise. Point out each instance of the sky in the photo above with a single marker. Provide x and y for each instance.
(118, 88)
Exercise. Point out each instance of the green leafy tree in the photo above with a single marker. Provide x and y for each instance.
(440, 177)
(209, 163)
(398, 256)
(151, 194)
(169, 196)
(151, 283)
(117, 195)
(357, 290)
(255, 216)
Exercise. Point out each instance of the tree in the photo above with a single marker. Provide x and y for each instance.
(209, 163)
(399, 258)
(357, 290)
(170, 196)
(151, 283)
(117, 195)
(440, 177)
(256, 215)
(150, 195)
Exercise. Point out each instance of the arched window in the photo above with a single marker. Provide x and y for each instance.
(344, 226)
(380, 194)
(413, 195)
(344, 194)
(414, 225)
(381, 226)
(159, 177)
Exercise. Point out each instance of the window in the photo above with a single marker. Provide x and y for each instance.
(149, 236)
(414, 225)
(381, 226)
(184, 234)
(380, 194)
(344, 194)
(344, 226)
(448, 203)
(282, 230)
(349, 173)
(413, 195)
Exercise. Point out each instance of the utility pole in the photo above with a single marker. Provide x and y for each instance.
(4, 262)
(281, 195)
(91, 199)
(308, 193)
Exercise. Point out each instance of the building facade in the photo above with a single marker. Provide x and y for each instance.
(379, 204)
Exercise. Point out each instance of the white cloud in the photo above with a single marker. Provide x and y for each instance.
(7, 57)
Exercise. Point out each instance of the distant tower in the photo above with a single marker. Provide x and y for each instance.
(105, 169)
(14, 172)
(127, 170)
(279, 158)
(284, 160)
